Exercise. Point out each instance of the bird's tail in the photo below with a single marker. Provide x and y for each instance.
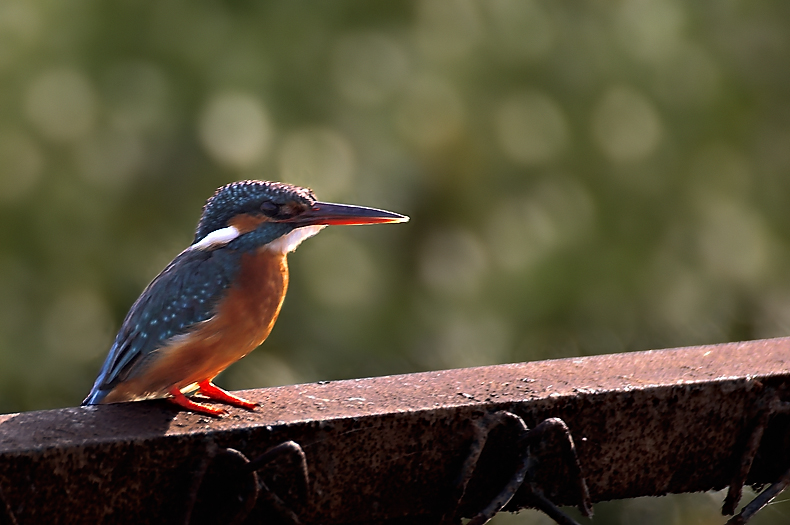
(96, 396)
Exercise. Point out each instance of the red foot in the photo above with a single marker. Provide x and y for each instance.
(212, 391)
(184, 402)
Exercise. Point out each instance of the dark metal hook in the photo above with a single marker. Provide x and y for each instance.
(525, 463)
(761, 501)
(767, 407)
(227, 476)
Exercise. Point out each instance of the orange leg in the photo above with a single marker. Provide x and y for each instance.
(184, 402)
(212, 391)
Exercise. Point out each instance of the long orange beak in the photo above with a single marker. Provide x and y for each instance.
(334, 214)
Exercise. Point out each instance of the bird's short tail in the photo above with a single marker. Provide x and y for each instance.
(95, 397)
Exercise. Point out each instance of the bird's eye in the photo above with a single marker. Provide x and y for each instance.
(269, 208)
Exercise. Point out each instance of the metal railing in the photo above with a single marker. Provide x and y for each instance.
(417, 448)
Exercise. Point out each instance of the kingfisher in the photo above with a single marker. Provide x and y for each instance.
(219, 298)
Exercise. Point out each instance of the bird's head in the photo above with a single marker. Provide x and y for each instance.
(253, 213)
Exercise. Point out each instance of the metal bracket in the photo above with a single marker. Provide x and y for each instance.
(525, 464)
(762, 500)
(227, 487)
(767, 407)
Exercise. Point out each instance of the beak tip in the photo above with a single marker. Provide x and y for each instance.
(346, 214)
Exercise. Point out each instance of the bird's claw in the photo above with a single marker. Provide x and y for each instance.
(184, 402)
(212, 391)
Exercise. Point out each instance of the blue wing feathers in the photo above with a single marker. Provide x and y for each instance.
(185, 293)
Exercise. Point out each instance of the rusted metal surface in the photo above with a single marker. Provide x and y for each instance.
(390, 449)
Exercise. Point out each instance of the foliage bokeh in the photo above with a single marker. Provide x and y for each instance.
(582, 178)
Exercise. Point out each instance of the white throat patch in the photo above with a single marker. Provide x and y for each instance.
(288, 242)
(216, 239)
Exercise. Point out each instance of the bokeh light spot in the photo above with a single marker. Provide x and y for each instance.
(61, 104)
(235, 129)
(626, 125)
(651, 30)
(532, 128)
(318, 158)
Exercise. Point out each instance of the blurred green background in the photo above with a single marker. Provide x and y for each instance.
(582, 178)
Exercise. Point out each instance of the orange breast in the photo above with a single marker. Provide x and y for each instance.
(242, 322)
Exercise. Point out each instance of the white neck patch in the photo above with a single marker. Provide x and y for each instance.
(288, 242)
(216, 239)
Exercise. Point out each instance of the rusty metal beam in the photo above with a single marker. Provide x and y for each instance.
(389, 449)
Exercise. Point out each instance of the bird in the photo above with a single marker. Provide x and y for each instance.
(219, 298)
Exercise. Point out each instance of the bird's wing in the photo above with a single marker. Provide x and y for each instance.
(185, 293)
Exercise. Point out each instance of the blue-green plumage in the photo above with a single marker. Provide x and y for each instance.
(184, 294)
